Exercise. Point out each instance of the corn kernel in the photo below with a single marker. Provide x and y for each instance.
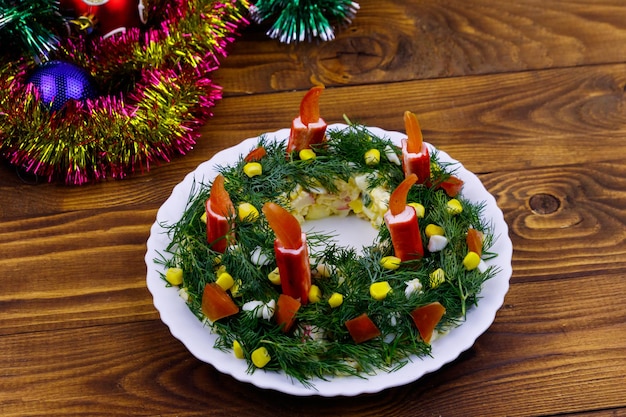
(203, 217)
(437, 277)
(306, 154)
(260, 357)
(274, 276)
(335, 300)
(454, 206)
(225, 281)
(390, 262)
(174, 276)
(247, 211)
(433, 229)
(238, 350)
(372, 157)
(420, 211)
(471, 260)
(315, 294)
(252, 169)
(379, 290)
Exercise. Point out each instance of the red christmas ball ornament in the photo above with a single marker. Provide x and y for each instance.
(105, 17)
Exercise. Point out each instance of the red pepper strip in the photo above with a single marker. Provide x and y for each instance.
(474, 241)
(284, 224)
(415, 140)
(397, 200)
(362, 328)
(256, 154)
(310, 105)
(426, 319)
(292, 254)
(452, 186)
(219, 209)
(308, 128)
(286, 309)
(401, 220)
(216, 303)
(415, 155)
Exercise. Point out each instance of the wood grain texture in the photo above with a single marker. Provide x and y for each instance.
(399, 41)
(529, 95)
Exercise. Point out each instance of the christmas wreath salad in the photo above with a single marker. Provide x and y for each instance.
(297, 302)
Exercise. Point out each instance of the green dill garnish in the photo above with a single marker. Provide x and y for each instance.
(321, 345)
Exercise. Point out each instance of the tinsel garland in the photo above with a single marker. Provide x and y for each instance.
(157, 94)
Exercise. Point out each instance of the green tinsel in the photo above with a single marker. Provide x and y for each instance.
(299, 20)
(27, 27)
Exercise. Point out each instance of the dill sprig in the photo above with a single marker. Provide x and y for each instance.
(321, 346)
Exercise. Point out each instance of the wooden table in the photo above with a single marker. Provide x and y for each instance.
(527, 94)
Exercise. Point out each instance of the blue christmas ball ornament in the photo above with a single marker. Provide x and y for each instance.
(58, 82)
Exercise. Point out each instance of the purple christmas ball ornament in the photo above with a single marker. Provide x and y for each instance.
(58, 82)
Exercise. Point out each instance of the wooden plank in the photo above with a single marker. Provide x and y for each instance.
(74, 270)
(564, 221)
(408, 40)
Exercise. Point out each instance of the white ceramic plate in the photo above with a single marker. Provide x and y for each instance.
(200, 341)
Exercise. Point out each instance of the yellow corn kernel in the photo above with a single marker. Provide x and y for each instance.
(203, 217)
(454, 206)
(471, 261)
(335, 300)
(315, 294)
(252, 169)
(174, 276)
(247, 211)
(306, 154)
(390, 262)
(225, 280)
(238, 350)
(420, 211)
(437, 277)
(379, 290)
(260, 357)
(274, 276)
(372, 157)
(433, 229)
(356, 206)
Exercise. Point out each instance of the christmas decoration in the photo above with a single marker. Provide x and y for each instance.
(28, 27)
(105, 17)
(300, 20)
(57, 82)
(154, 85)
